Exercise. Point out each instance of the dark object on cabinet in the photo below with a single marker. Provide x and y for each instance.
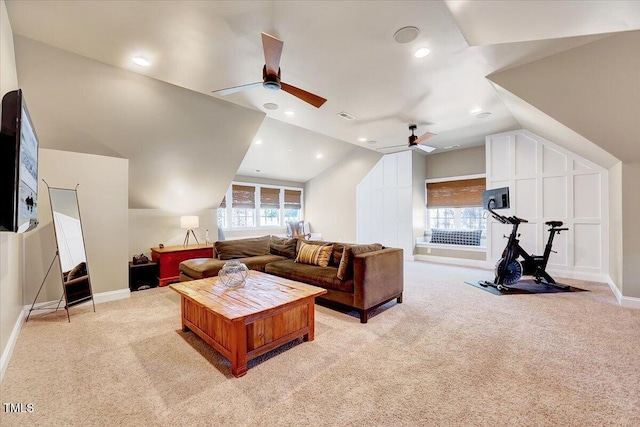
(143, 276)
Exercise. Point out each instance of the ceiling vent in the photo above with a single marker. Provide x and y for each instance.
(345, 115)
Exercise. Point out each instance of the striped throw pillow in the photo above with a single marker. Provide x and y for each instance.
(314, 254)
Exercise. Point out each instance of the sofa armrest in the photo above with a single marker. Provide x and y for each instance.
(378, 276)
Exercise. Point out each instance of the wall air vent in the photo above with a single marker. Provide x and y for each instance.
(345, 115)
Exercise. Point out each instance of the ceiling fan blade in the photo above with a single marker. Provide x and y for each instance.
(425, 137)
(235, 89)
(272, 51)
(312, 99)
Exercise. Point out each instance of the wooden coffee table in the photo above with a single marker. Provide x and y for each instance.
(244, 323)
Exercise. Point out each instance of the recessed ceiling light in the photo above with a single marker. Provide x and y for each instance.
(290, 149)
(363, 139)
(483, 115)
(406, 34)
(289, 113)
(259, 141)
(318, 156)
(270, 106)
(372, 142)
(475, 110)
(140, 61)
(422, 52)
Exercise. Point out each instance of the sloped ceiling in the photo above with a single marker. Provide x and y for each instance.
(489, 22)
(183, 147)
(593, 89)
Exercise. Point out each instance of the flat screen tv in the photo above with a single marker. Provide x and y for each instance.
(18, 166)
(498, 197)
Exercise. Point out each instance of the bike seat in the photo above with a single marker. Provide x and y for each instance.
(554, 223)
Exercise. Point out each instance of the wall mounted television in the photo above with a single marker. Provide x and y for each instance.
(18, 166)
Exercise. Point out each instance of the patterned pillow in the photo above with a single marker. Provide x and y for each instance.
(314, 254)
(456, 237)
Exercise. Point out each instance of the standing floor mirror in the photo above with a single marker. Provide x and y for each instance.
(71, 252)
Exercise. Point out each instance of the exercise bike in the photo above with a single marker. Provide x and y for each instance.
(510, 268)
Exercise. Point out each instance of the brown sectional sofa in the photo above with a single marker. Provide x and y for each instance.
(370, 276)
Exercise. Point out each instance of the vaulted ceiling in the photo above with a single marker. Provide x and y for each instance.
(345, 52)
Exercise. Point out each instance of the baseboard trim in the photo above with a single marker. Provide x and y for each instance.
(112, 295)
(630, 302)
(614, 289)
(578, 275)
(8, 350)
(456, 261)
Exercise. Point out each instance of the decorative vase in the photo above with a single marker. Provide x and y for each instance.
(233, 274)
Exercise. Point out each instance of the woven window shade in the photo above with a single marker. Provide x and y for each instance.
(223, 203)
(270, 198)
(244, 196)
(455, 194)
(292, 199)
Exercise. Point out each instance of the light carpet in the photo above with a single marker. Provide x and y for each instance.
(450, 355)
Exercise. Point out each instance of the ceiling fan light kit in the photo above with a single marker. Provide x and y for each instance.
(271, 74)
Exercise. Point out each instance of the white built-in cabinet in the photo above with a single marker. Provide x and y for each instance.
(384, 205)
(547, 183)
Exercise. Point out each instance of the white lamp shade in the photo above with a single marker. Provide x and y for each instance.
(189, 222)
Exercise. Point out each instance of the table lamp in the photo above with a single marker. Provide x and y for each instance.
(189, 222)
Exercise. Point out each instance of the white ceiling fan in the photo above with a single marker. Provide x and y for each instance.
(415, 142)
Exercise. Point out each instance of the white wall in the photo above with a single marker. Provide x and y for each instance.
(150, 227)
(385, 203)
(330, 197)
(103, 203)
(546, 183)
(10, 243)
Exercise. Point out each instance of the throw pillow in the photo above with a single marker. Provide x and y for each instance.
(242, 248)
(283, 247)
(77, 271)
(456, 237)
(314, 254)
(344, 269)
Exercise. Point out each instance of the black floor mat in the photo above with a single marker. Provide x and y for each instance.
(526, 286)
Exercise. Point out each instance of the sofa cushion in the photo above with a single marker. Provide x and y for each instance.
(311, 274)
(258, 262)
(283, 247)
(200, 268)
(314, 254)
(345, 269)
(242, 248)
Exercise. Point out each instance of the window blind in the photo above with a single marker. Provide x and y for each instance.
(455, 194)
(244, 196)
(270, 198)
(223, 203)
(292, 199)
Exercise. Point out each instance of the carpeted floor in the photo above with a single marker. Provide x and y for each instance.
(450, 355)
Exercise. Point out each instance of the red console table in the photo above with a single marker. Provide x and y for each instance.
(170, 257)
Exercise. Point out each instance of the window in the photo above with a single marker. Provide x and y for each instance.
(456, 205)
(269, 206)
(256, 205)
(292, 205)
(243, 206)
(222, 213)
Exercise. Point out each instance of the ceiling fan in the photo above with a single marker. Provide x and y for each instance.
(271, 75)
(416, 142)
